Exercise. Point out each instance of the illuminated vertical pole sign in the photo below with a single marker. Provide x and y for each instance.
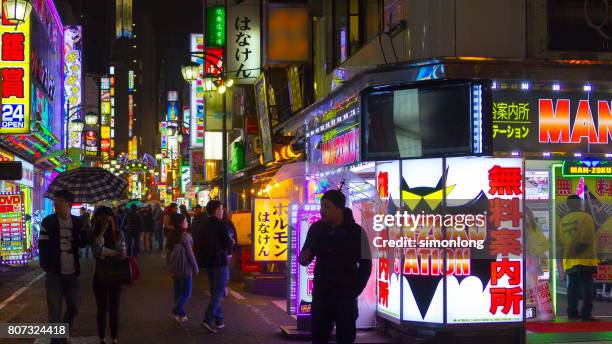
(73, 79)
(105, 122)
(15, 64)
(112, 110)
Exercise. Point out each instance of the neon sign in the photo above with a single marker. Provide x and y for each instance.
(342, 149)
(72, 79)
(555, 122)
(15, 64)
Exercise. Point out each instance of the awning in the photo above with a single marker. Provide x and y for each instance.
(36, 144)
(56, 161)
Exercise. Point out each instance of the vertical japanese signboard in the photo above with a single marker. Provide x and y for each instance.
(105, 119)
(197, 166)
(72, 78)
(15, 64)
(243, 50)
(12, 228)
(215, 27)
(112, 111)
(270, 229)
(130, 115)
(197, 95)
(261, 96)
(301, 278)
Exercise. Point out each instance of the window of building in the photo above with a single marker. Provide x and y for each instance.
(354, 23)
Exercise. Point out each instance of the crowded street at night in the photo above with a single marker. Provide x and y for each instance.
(314, 171)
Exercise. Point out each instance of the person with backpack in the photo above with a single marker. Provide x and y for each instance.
(212, 246)
(108, 243)
(181, 263)
(132, 225)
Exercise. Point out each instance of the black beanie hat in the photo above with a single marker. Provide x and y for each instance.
(336, 197)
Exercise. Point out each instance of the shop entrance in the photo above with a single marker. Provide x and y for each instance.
(550, 220)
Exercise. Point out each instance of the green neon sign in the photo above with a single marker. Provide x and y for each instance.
(215, 27)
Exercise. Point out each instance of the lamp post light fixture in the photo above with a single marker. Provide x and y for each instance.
(191, 72)
(17, 11)
(77, 125)
(91, 119)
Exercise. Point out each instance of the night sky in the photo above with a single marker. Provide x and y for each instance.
(172, 21)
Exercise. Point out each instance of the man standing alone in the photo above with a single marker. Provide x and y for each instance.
(342, 269)
(212, 244)
(61, 236)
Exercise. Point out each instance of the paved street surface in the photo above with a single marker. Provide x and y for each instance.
(145, 310)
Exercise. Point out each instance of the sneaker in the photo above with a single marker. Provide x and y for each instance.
(175, 317)
(220, 324)
(209, 327)
(184, 319)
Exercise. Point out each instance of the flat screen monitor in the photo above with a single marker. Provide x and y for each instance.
(410, 122)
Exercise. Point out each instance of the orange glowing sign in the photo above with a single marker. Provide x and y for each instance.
(288, 34)
(556, 122)
(551, 121)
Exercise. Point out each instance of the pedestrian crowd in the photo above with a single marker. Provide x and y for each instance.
(116, 237)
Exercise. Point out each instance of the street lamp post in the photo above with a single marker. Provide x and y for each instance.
(17, 11)
(190, 73)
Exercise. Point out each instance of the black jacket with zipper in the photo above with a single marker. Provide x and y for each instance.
(49, 244)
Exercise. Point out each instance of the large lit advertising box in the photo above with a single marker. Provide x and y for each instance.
(468, 210)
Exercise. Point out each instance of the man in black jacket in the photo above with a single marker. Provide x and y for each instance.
(342, 269)
(61, 236)
(212, 244)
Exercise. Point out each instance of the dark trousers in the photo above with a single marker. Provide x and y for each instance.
(59, 288)
(330, 308)
(217, 280)
(182, 293)
(107, 301)
(133, 243)
(580, 284)
(159, 236)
